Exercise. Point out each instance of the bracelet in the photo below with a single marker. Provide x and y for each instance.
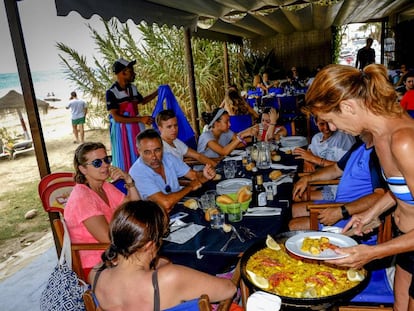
(241, 140)
(345, 213)
(274, 124)
(129, 184)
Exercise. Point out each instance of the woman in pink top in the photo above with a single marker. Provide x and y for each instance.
(93, 200)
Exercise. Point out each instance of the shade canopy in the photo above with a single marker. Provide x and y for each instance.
(241, 18)
(15, 100)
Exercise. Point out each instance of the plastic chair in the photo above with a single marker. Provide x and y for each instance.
(240, 123)
(55, 196)
(52, 178)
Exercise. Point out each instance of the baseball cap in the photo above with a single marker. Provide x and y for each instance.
(120, 64)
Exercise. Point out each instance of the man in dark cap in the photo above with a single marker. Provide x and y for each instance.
(122, 101)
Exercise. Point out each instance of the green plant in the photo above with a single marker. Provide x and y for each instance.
(160, 60)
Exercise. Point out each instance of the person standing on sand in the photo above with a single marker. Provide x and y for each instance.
(79, 108)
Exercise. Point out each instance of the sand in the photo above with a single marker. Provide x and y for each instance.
(57, 132)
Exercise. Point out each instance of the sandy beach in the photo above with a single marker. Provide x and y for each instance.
(57, 132)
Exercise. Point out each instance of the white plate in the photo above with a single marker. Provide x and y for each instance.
(232, 185)
(291, 141)
(294, 244)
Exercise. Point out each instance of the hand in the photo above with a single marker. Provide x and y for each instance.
(209, 172)
(299, 188)
(359, 220)
(146, 120)
(358, 256)
(308, 167)
(116, 173)
(330, 216)
(273, 116)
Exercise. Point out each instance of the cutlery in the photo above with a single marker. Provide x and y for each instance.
(237, 234)
(232, 237)
(247, 232)
(182, 227)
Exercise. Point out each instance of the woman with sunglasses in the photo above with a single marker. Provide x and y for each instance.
(131, 276)
(93, 199)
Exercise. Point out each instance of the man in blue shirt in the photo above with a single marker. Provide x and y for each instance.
(156, 173)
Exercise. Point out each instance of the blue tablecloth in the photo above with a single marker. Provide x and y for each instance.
(203, 251)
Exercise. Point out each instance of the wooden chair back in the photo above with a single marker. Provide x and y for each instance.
(76, 262)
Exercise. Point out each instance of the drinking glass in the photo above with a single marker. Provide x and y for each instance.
(205, 202)
(234, 212)
(229, 169)
(217, 221)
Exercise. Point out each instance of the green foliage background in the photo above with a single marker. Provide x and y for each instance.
(160, 60)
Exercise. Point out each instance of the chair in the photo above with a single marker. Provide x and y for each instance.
(55, 196)
(19, 147)
(52, 178)
(378, 293)
(76, 262)
(240, 123)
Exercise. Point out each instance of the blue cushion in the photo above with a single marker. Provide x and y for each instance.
(378, 290)
(191, 305)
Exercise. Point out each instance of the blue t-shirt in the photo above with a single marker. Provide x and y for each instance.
(148, 182)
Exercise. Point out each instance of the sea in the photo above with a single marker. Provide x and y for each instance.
(48, 82)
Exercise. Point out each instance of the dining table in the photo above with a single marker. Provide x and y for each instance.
(204, 251)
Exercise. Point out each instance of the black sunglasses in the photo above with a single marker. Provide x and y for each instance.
(97, 163)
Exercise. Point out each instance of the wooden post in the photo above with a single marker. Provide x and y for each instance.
(226, 65)
(191, 82)
(26, 82)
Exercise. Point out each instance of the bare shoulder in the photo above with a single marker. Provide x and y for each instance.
(402, 139)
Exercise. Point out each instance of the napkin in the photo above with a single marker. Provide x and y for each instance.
(261, 301)
(235, 158)
(276, 166)
(282, 180)
(181, 236)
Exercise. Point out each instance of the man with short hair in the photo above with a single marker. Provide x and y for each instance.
(168, 126)
(156, 173)
(365, 55)
(122, 100)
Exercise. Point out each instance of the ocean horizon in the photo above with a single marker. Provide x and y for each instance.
(44, 83)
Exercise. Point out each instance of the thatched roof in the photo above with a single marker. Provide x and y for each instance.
(14, 100)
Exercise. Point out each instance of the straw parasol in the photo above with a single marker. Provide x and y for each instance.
(14, 100)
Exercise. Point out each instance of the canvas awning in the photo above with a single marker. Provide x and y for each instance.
(225, 19)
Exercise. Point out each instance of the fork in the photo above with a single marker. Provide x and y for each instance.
(232, 237)
(247, 232)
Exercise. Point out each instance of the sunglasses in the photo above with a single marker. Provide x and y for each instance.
(97, 163)
(167, 188)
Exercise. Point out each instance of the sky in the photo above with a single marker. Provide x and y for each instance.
(42, 28)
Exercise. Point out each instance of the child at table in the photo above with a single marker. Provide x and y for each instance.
(269, 130)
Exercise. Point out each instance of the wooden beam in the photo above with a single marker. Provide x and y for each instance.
(26, 82)
(191, 82)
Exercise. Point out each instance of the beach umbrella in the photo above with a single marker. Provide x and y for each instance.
(13, 100)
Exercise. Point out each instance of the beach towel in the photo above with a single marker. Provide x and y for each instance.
(185, 131)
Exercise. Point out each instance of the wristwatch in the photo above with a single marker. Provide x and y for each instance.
(345, 213)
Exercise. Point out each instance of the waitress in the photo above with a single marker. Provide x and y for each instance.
(218, 140)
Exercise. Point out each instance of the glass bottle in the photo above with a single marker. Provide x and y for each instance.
(254, 190)
(260, 191)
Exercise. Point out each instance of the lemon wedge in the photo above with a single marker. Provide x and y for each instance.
(310, 292)
(257, 280)
(271, 243)
(355, 275)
